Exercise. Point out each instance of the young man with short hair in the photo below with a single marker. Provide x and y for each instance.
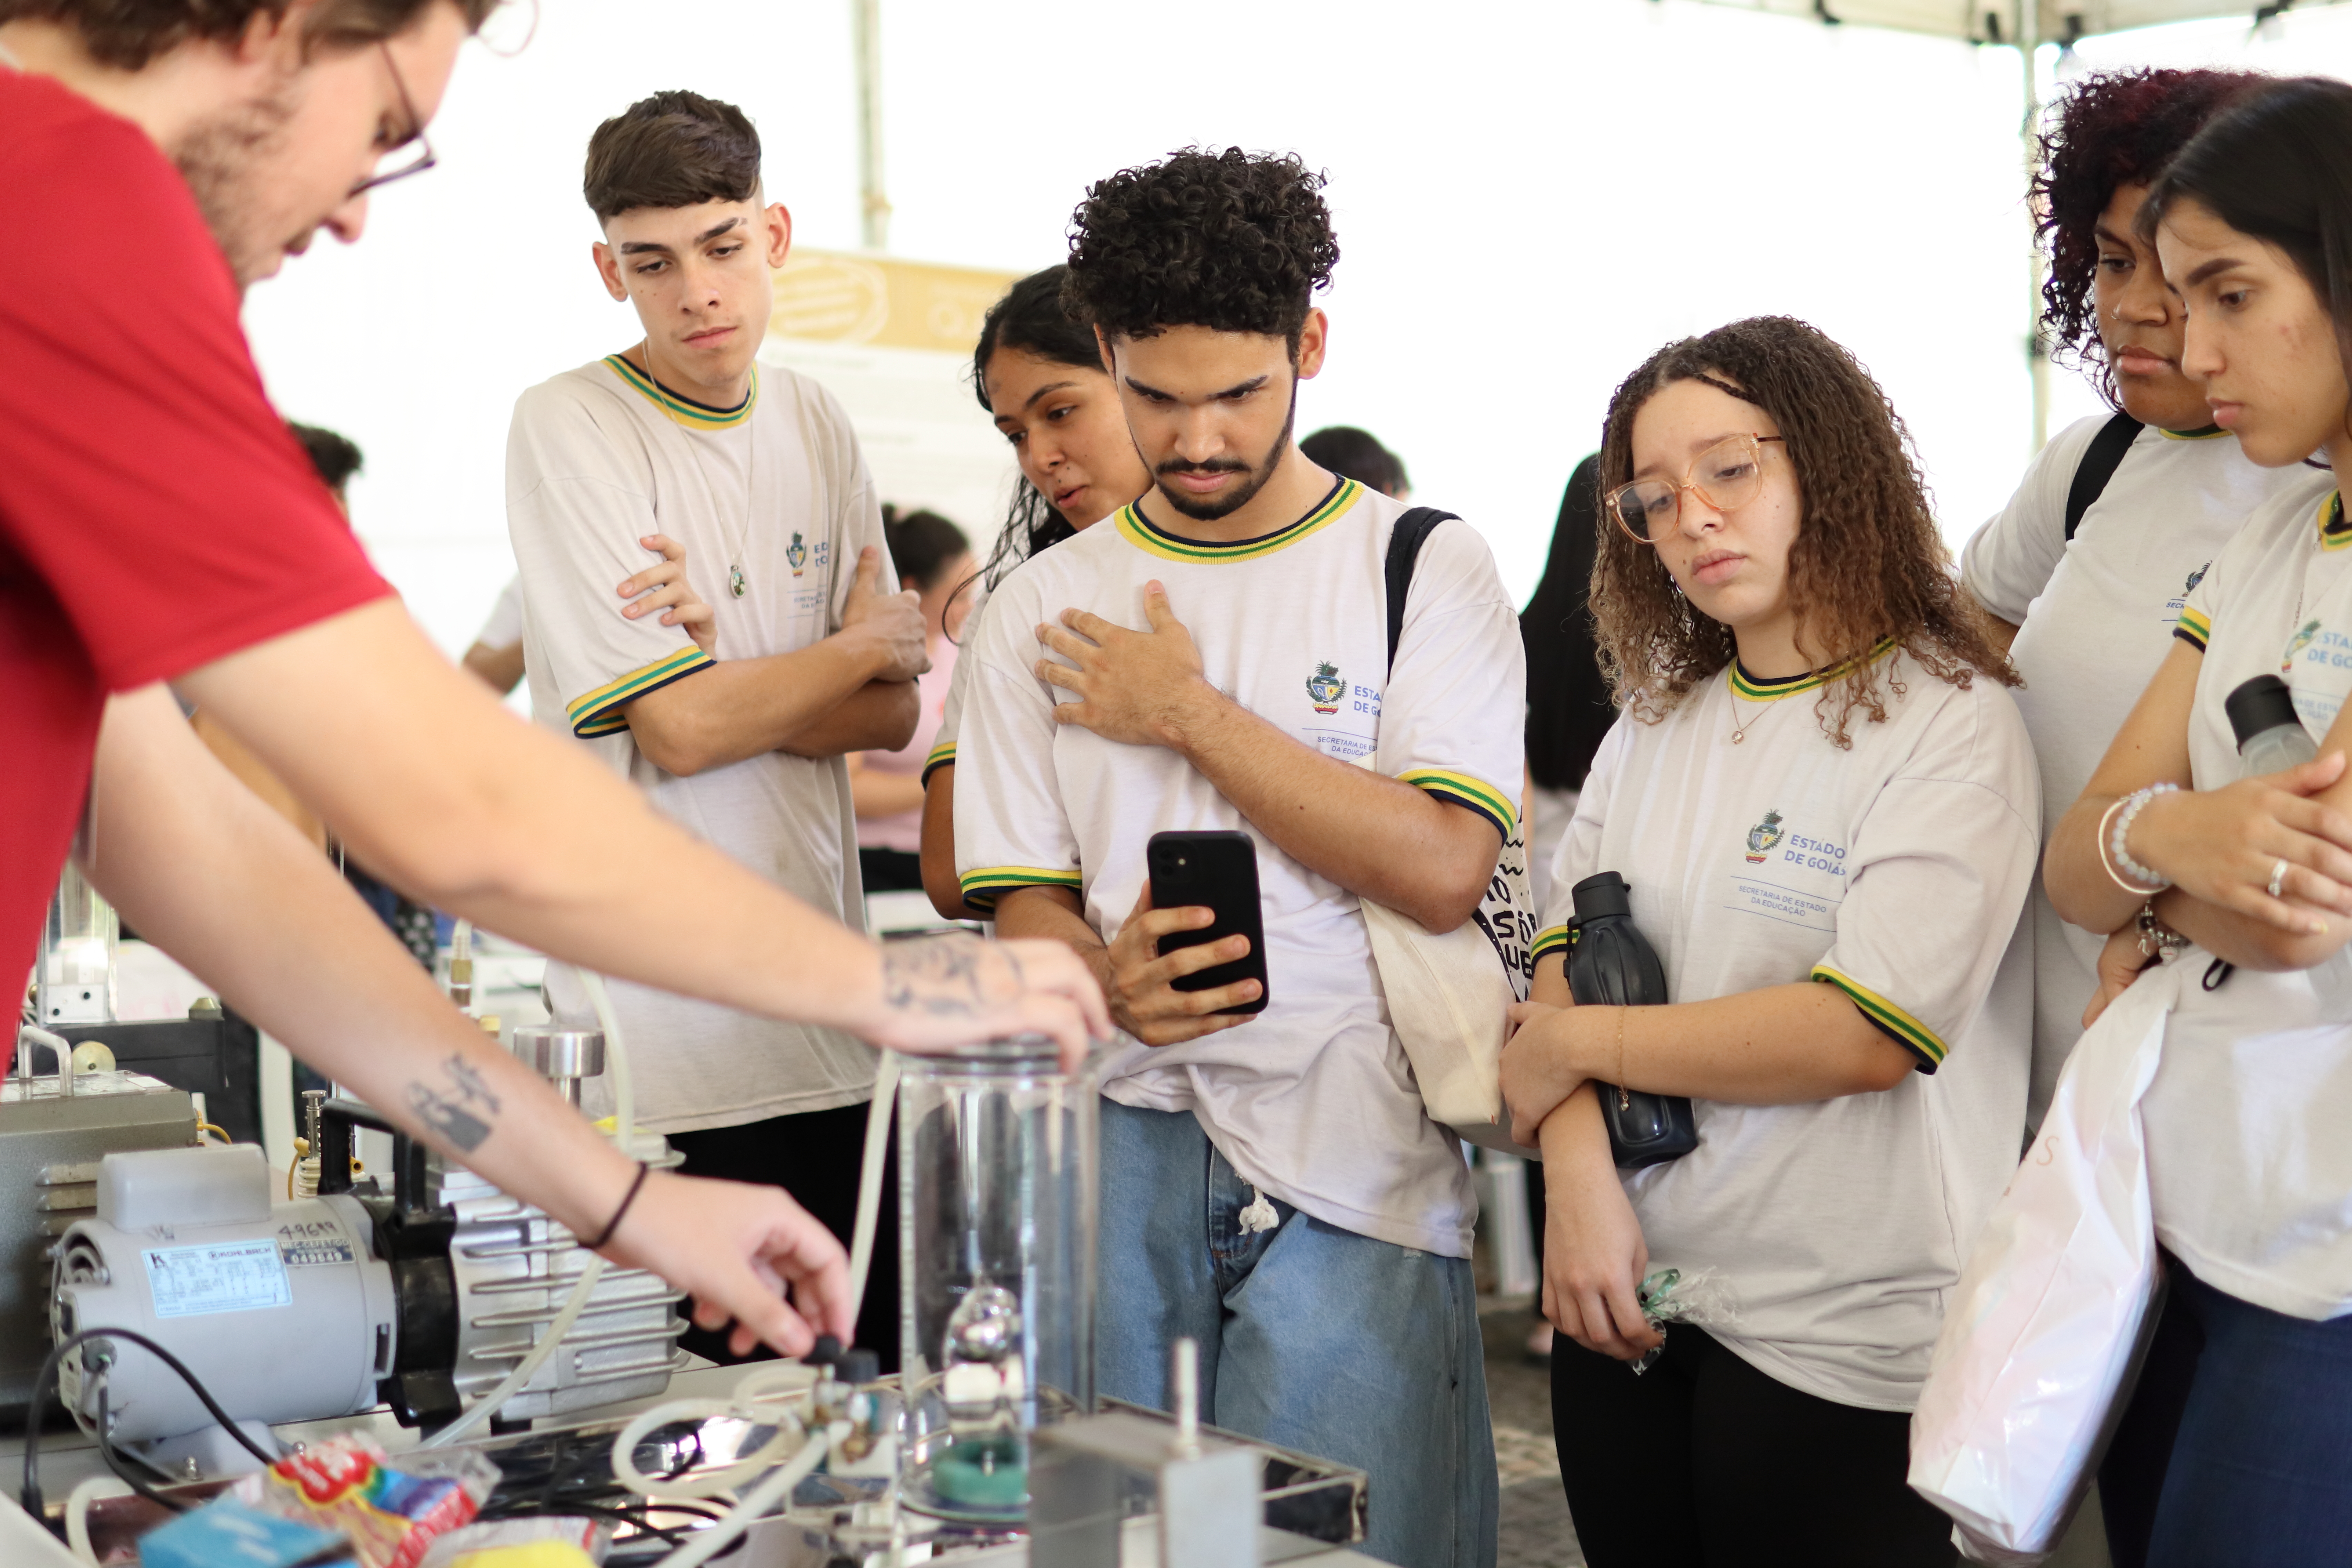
(158, 522)
(754, 472)
(1215, 656)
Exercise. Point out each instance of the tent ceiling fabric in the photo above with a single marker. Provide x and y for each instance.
(1995, 21)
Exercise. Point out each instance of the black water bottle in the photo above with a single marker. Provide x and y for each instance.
(1612, 964)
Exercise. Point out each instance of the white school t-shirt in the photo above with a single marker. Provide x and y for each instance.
(2097, 618)
(2249, 1120)
(1311, 1099)
(595, 460)
(1894, 870)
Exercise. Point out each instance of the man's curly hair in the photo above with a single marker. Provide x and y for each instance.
(1867, 563)
(1233, 241)
(2109, 130)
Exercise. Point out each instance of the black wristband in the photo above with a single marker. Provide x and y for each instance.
(622, 1213)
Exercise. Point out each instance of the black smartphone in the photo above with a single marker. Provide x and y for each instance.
(1217, 870)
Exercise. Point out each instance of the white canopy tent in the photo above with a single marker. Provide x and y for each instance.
(2026, 25)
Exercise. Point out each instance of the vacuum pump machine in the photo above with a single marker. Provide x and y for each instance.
(425, 1297)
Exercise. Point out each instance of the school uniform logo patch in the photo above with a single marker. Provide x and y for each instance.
(2301, 640)
(1765, 837)
(1325, 689)
(796, 552)
(2194, 578)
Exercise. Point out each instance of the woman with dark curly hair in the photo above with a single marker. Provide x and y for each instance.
(2237, 1445)
(2088, 578)
(1824, 803)
(1040, 375)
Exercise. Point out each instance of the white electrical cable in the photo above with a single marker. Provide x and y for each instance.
(77, 1503)
(757, 1502)
(785, 1380)
(869, 1178)
(616, 1062)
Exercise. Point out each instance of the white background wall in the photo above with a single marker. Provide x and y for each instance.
(1530, 197)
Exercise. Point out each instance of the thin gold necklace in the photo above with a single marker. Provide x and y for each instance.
(1739, 731)
(737, 583)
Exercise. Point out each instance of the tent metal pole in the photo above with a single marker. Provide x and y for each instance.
(2037, 358)
(874, 204)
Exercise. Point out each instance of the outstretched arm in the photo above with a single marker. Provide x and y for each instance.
(460, 804)
(212, 876)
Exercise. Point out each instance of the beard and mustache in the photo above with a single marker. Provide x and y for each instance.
(226, 161)
(1210, 508)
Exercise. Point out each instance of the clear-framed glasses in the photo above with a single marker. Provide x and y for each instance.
(1725, 475)
(413, 136)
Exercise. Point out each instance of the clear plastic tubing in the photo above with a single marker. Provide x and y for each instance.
(996, 1265)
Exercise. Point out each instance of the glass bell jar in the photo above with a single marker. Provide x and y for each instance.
(996, 1268)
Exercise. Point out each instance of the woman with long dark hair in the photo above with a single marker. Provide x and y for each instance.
(1823, 801)
(2237, 1447)
(1040, 375)
(2089, 565)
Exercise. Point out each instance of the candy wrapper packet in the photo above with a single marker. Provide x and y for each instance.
(391, 1513)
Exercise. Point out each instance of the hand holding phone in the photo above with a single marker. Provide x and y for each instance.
(1216, 871)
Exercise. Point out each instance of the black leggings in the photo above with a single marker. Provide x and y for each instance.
(815, 1156)
(1703, 1460)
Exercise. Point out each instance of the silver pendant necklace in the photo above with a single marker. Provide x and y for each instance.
(738, 584)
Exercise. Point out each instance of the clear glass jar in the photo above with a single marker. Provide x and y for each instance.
(996, 1267)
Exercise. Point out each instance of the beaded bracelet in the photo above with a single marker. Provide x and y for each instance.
(2116, 858)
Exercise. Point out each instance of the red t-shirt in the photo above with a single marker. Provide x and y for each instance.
(155, 514)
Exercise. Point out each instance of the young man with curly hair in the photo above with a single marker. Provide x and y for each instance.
(1215, 656)
(158, 522)
(2090, 594)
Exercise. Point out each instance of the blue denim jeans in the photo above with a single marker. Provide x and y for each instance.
(2260, 1469)
(1311, 1337)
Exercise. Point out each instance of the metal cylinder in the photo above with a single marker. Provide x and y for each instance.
(563, 1057)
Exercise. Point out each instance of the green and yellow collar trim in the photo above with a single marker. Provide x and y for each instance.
(1138, 531)
(2335, 532)
(1751, 688)
(1891, 1020)
(982, 884)
(2206, 434)
(686, 411)
(598, 713)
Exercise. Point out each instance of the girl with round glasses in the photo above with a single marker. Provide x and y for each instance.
(2239, 1435)
(1824, 803)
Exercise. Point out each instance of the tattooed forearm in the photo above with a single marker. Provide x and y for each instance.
(945, 977)
(460, 1109)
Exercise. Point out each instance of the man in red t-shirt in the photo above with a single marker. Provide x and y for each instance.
(158, 522)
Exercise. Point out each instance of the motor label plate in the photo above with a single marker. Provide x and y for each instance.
(218, 1277)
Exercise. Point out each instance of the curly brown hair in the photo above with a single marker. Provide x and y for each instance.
(2106, 132)
(1233, 241)
(1867, 564)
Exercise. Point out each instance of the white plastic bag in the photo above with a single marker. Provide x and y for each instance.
(2044, 1329)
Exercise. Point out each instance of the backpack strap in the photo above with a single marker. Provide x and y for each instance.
(1404, 548)
(2099, 463)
